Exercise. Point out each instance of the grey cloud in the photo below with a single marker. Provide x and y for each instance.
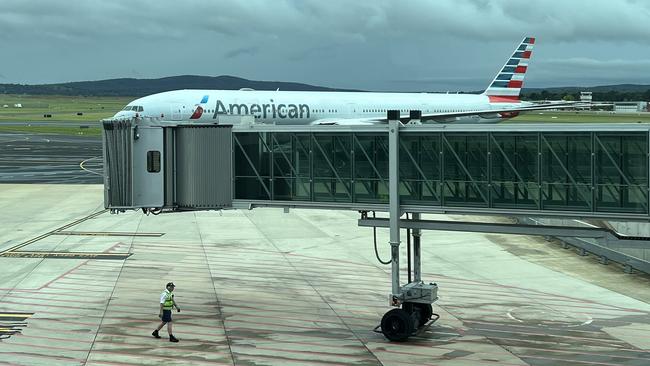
(361, 20)
(589, 71)
(590, 63)
(245, 51)
(366, 44)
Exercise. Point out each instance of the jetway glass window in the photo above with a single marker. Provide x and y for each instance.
(465, 169)
(291, 167)
(252, 166)
(621, 173)
(514, 168)
(370, 168)
(332, 167)
(420, 168)
(567, 171)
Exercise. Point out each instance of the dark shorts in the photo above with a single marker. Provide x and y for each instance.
(167, 316)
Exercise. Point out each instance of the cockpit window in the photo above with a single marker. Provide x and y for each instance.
(135, 108)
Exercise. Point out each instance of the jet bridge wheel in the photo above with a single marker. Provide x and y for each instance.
(397, 325)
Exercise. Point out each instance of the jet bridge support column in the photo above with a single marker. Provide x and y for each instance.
(415, 298)
(417, 264)
(394, 211)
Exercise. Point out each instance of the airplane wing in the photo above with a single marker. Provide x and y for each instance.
(348, 121)
(442, 116)
(495, 111)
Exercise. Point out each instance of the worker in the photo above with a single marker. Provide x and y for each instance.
(167, 303)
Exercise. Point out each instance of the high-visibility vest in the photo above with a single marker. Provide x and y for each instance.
(169, 301)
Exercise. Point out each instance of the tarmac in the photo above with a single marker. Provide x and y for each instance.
(52, 159)
(80, 286)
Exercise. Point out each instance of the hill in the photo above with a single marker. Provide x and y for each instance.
(621, 88)
(142, 87)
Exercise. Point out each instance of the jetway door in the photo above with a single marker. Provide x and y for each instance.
(148, 167)
(176, 112)
(352, 109)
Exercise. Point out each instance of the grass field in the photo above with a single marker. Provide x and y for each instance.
(92, 131)
(62, 108)
(581, 117)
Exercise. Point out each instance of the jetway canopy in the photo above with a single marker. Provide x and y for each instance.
(545, 169)
(551, 169)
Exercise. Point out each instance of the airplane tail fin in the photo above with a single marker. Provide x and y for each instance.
(506, 86)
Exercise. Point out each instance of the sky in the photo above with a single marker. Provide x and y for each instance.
(380, 45)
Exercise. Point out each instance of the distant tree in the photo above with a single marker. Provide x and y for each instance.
(646, 95)
(568, 98)
(544, 95)
(534, 96)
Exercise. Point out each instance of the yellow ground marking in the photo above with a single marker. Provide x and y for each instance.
(15, 315)
(81, 165)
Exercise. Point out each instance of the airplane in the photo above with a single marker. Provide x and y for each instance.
(500, 101)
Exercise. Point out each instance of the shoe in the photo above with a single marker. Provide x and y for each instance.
(155, 334)
(172, 338)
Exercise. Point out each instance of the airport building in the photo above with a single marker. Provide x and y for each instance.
(630, 107)
(619, 107)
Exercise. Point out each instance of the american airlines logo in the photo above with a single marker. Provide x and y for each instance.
(270, 110)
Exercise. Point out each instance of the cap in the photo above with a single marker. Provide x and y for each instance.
(170, 284)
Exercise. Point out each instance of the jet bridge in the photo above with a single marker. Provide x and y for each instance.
(577, 171)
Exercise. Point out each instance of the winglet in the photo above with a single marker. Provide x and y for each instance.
(506, 86)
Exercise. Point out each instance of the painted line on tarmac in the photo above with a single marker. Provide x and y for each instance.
(67, 255)
(81, 165)
(43, 236)
(108, 233)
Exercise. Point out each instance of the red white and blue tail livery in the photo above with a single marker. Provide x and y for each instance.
(506, 86)
(499, 101)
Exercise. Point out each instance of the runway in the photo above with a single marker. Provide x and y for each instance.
(52, 159)
(51, 124)
(264, 287)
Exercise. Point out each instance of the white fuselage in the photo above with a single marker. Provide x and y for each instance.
(294, 107)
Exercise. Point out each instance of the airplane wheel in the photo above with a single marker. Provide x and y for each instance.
(397, 325)
(426, 312)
